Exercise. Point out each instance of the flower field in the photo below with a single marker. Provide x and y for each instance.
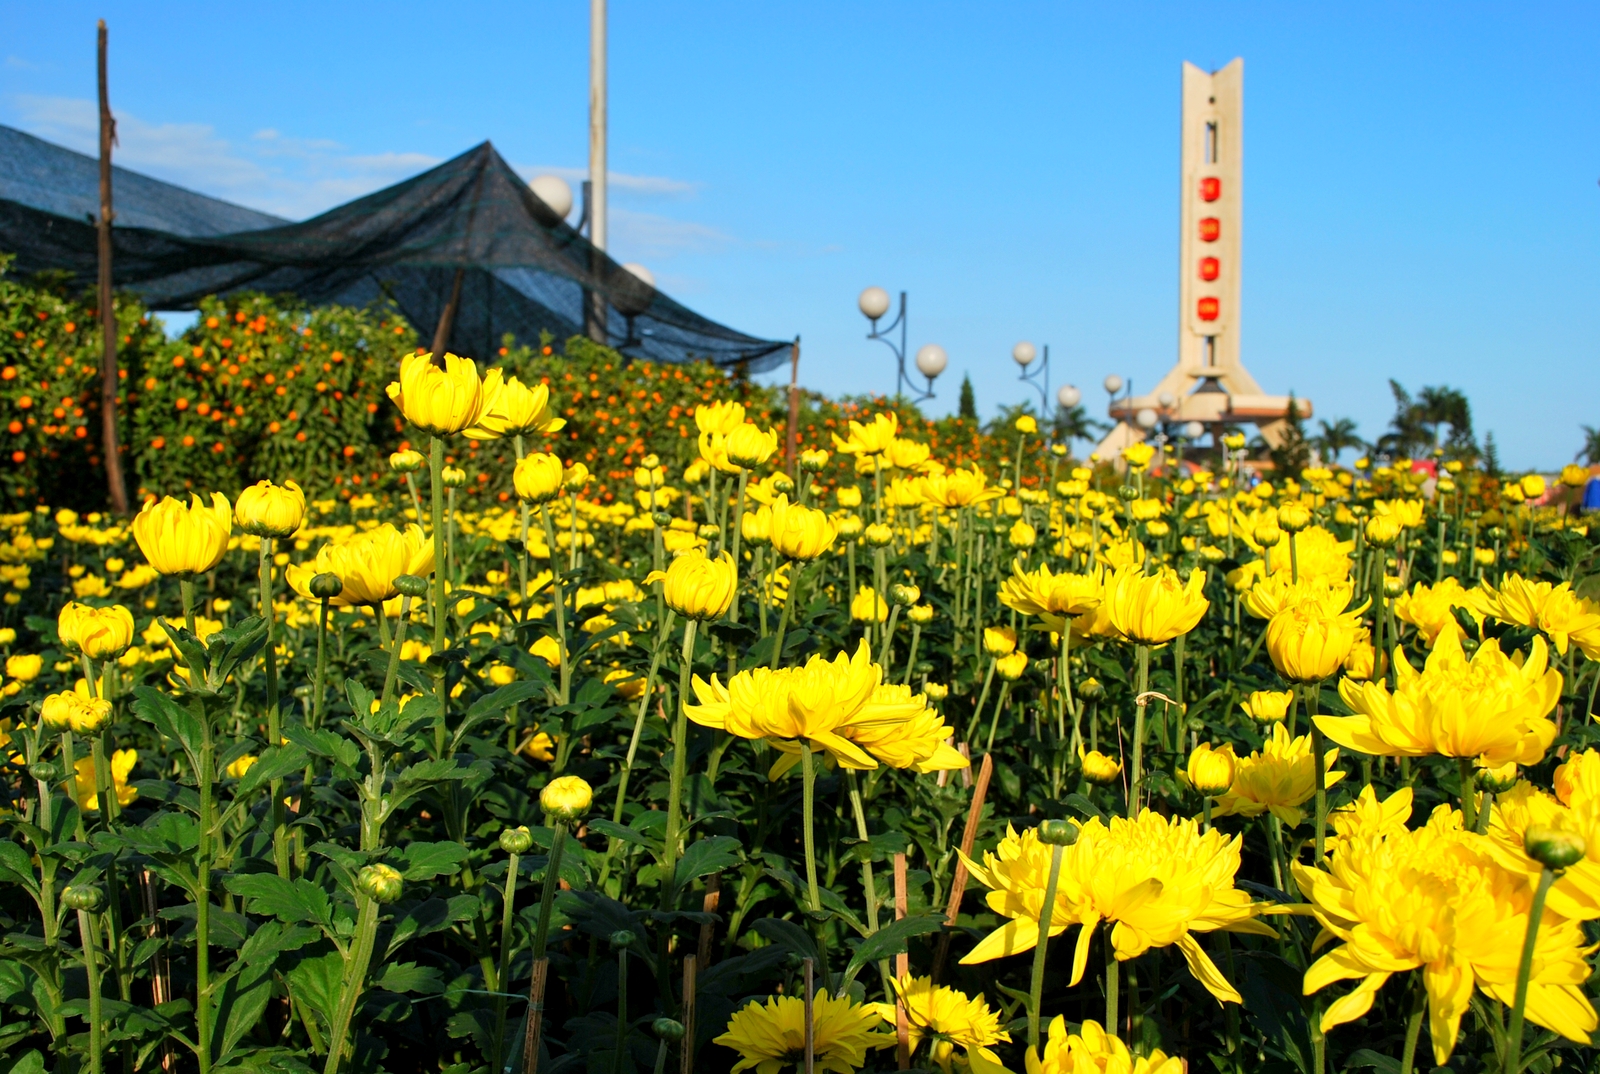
(555, 726)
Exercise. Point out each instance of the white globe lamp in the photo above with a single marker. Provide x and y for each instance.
(1113, 384)
(1194, 430)
(1069, 396)
(1146, 418)
(1024, 353)
(1166, 399)
(874, 302)
(555, 192)
(931, 360)
(644, 275)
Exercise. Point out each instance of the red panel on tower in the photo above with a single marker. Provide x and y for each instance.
(1210, 188)
(1210, 268)
(1210, 229)
(1208, 309)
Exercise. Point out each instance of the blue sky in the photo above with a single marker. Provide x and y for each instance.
(1421, 194)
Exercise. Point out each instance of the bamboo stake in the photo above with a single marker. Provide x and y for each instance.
(958, 883)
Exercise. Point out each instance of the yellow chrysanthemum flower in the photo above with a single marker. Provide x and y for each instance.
(957, 488)
(1278, 778)
(772, 1035)
(121, 764)
(1491, 707)
(1051, 597)
(367, 563)
(1158, 880)
(951, 1020)
(1554, 610)
(1430, 609)
(1092, 1050)
(872, 438)
(1154, 608)
(1436, 900)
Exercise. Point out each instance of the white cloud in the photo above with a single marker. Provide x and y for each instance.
(658, 185)
(649, 235)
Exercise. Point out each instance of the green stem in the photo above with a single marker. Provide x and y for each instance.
(1113, 984)
(808, 776)
(888, 636)
(436, 483)
(355, 976)
(280, 842)
(1138, 731)
(656, 653)
(867, 883)
(738, 539)
(1513, 1063)
(983, 696)
(392, 675)
(1419, 1004)
(788, 610)
(317, 692)
(502, 976)
(1046, 912)
(1319, 769)
(1469, 800)
(203, 860)
(91, 966)
(552, 880)
(559, 597)
(680, 749)
(911, 658)
(994, 721)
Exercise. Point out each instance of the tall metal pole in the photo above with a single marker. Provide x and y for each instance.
(597, 121)
(108, 313)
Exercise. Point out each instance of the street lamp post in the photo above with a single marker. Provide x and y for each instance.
(1023, 354)
(930, 358)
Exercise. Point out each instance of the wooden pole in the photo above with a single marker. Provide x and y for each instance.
(810, 1066)
(792, 440)
(958, 883)
(109, 380)
(531, 1036)
(686, 1050)
(447, 319)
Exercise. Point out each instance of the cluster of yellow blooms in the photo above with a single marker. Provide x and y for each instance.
(1320, 573)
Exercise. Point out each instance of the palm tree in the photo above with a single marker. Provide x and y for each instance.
(1335, 438)
(1590, 452)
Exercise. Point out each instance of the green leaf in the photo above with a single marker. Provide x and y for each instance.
(15, 867)
(620, 831)
(1366, 1057)
(891, 940)
(291, 901)
(502, 699)
(788, 935)
(275, 763)
(424, 861)
(705, 856)
(171, 719)
(409, 977)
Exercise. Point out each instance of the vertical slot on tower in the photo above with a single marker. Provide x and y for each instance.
(1211, 142)
(1208, 351)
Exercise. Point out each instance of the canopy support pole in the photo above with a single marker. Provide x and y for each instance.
(108, 312)
(447, 319)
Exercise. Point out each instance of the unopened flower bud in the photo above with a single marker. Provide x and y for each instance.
(622, 938)
(566, 797)
(921, 614)
(406, 462)
(83, 897)
(1058, 833)
(1091, 689)
(516, 840)
(1127, 493)
(380, 883)
(667, 1029)
(936, 691)
(1294, 516)
(1098, 768)
(661, 519)
(878, 535)
(44, 771)
(326, 586)
(411, 586)
(813, 461)
(453, 477)
(904, 595)
(1554, 848)
(1498, 780)
(781, 483)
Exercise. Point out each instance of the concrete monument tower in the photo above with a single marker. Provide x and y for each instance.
(1208, 384)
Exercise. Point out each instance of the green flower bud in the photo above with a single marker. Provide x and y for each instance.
(622, 938)
(411, 586)
(326, 586)
(1554, 848)
(83, 897)
(380, 883)
(516, 840)
(662, 519)
(44, 771)
(1058, 833)
(667, 1030)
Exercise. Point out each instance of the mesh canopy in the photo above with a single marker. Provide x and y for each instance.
(523, 269)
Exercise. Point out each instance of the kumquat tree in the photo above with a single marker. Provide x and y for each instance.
(536, 714)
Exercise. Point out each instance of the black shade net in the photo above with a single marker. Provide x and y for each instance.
(522, 269)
